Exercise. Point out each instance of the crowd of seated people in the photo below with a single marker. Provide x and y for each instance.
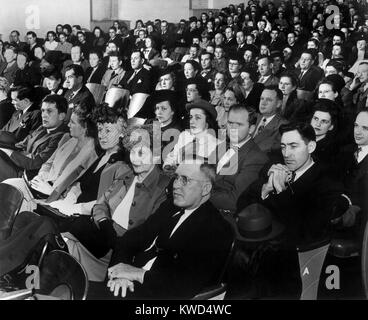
(258, 104)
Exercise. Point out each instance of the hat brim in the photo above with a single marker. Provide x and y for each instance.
(277, 229)
(212, 112)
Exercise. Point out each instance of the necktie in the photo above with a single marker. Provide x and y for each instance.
(356, 154)
(301, 75)
(262, 126)
(292, 178)
(164, 235)
(261, 80)
(113, 75)
(20, 114)
(132, 77)
(72, 96)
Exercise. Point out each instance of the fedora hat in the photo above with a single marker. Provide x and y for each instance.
(255, 224)
(7, 140)
(204, 105)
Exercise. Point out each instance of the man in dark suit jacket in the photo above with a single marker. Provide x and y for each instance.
(77, 92)
(309, 75)
(266, 134)
(77, 58)
(240, 165)
(138, 79)
(27, 117)
(15, 41)
(299, 192)
(38, 146)
(6, 107)
(189, 242)
(353, 164)
(9, 68)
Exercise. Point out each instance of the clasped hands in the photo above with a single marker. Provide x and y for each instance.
(278, 177)
(122, 276)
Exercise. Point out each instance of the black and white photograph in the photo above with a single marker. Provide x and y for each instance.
(183, 150)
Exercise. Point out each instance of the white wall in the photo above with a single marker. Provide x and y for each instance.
(170, 10)
(41, 15)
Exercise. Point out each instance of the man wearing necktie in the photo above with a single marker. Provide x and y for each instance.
(38, 146)
(266, 134)
(302, 196)
(180, 249)
(309, 75)
(241, 163)
(353, 165)
(27, 117)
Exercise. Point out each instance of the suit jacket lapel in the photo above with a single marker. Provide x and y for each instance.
(37, 138)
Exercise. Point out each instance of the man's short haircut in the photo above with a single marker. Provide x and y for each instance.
(252, 114)
(209, 171)
(305, 130)
(293, 78)
(312, 52)
(82, 33)
(194, 45)
(16, 31)
(112, 28)
(77, 46)
(236, 57)
(97, 53)
(265, 57)
(31, 33)
(77, 69)
(204, 53)
(59, 101)
(115, 54)
(77, 26)
(275, 88)
(141, 54)
(12, 49)
(24, 93)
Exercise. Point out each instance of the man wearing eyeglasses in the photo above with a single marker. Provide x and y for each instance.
(180, 249)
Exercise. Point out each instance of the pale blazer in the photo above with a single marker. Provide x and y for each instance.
(63, 174)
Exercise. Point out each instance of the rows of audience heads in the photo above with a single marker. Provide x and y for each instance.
(290, 78)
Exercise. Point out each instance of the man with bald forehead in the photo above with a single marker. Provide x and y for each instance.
(174, 254)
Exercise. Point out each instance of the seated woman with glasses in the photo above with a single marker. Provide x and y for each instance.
(131, 198)
(82, 195)
(200, 140)
(75, 154)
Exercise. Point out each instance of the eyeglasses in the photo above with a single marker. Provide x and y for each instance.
(184, 180)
